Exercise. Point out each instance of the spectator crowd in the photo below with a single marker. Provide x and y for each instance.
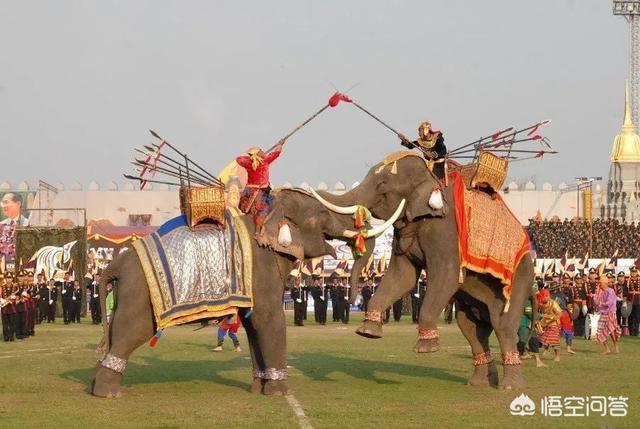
(551, 238)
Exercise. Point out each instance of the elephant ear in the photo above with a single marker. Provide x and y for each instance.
(419, 204)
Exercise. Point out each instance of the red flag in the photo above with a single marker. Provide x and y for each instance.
(539, 154)
(496, 135)
(337, 98)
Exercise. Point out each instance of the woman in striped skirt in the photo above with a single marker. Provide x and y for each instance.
(550, 323)
(605, 302)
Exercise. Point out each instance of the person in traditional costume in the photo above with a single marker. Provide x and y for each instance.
(256, 197)
(566, 325)
(550, 323)
(229, 326)
(528, 336)
(605, 305)
(431, 143)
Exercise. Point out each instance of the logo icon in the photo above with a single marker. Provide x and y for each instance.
(522, 406)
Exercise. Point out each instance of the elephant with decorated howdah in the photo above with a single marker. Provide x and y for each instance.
(443, 228)
(297, 228)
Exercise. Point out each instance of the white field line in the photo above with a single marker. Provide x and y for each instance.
(303, 421)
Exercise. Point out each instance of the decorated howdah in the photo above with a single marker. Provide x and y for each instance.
(196, 273)
(203, 204)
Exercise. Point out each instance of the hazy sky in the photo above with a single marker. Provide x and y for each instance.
(81, 82)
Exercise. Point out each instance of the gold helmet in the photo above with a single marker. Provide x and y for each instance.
(424, 129)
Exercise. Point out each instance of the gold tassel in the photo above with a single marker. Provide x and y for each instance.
(394, 167)
(460, 277)
(506, 306)
(380, 168)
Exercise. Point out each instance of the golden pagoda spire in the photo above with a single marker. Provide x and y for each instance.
(626, 146)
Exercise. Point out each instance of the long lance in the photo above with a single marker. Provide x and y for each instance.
(177, 173)
(502, 143)
(375, 117)
(296, 129)
(538, 156)
(214, 178)
(334, 100)
(455, 155)
(513, 134)
(130, 177)
(171, 173)
(481, 139)
(474, 157)
(168, 172)
(175, 165)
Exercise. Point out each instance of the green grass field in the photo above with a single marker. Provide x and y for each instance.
(340, 379)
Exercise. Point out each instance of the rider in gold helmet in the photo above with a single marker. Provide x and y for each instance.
(431, 143)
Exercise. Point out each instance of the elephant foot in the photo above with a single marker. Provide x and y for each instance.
(370, 329)
(513, 379)
(484, 376)
(427, 346)
(276, 387)
(106, 383)
(257, 385)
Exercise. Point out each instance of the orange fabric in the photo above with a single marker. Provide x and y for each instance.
(479, 251)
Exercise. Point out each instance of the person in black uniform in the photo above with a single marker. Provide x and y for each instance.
(52, 298)
(592, 289)
(336, 304)
(43, 294)
(94, 303)
(431, 143)
(76, 302)
(33, 306)
(366, 292)
(298, 301)
(579, 299)
(320, 296)
(343, 296)
(397, 310)
(66, 291)
(417, 296)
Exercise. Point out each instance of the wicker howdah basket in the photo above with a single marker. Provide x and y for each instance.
(203, 204)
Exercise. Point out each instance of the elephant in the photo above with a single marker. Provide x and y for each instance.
(132, 322)
(427, 238)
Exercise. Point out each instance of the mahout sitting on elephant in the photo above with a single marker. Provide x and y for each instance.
(426, 236)
(296, 228)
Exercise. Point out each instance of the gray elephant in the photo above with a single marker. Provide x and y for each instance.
(427, 238)
(132, 323)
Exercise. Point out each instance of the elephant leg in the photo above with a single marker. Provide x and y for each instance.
(131, 326)
(477, 333)
(268, 321)
(257, 359)
(442, 284)
(506, 325)
(400, 278)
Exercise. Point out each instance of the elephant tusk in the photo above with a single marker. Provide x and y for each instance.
(377, 230)
(333, 207)
(349, 234)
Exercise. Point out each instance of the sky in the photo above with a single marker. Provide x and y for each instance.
(81, 82)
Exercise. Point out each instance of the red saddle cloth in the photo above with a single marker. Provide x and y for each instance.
(491, 240)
